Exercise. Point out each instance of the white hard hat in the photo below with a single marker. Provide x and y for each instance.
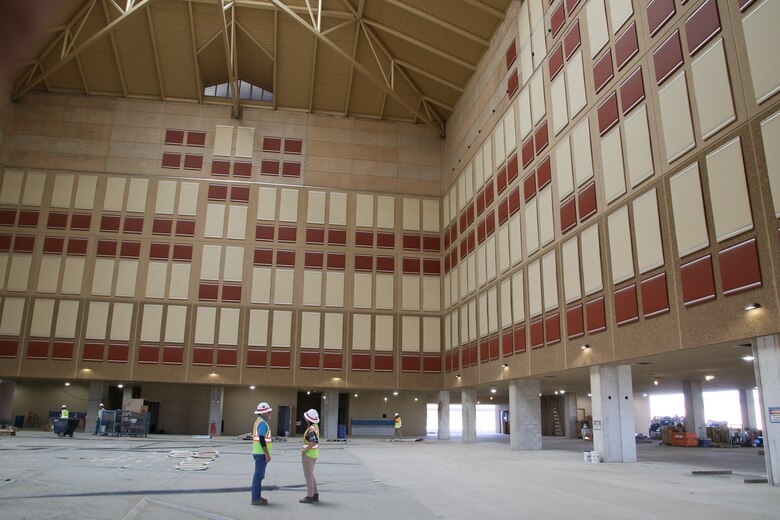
(101, 404)
(263, 408)
(396, 413)
(64, 406)
(312, 416)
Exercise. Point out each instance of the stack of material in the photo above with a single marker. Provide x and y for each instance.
(11, 430)
(194, 460)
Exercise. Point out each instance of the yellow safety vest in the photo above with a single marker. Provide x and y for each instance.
(315, 451)
(257, 448)
(64, 413)
(397, 422)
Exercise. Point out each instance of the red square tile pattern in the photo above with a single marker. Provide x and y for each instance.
(574, 322)
(658, 13)
(586, 201)
(595, 315)
(626, 309)
(698, 285)
(557, 19)
(668, 57)
(572, 39)
(702, 26)
(602, 71)
(552, 328)
(519, 339)
(608, 114)
(655, 297)
(739, 268)
(568, 215)
(626, 46)
(537, 334)
(511, 54)
(632, 91)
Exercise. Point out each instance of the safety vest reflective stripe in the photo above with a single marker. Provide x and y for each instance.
(257, 448)
(316, 431)
(64, 414)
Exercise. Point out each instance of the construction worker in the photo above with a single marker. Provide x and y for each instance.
(99, 418)
(397, 424)
(64, 411)
(310, 452)
(262, 444)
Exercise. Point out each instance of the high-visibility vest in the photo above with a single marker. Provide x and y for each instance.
(257, 448)
(315, 451)
(64, 413)
(397, 422)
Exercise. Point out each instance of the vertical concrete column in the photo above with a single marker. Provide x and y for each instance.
(612, 400)
(444, 416)
(215, 410)
(95, 397)
(570, 415)
(525, 415)
(766, 352)
(329, 415)
(694, 408)
(7, 389)
(747, 405)
(468, 401)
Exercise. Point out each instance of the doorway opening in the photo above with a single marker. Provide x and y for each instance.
(488, 421)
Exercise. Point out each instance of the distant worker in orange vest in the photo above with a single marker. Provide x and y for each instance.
(310, 452)
(397, 424)
(262, 444)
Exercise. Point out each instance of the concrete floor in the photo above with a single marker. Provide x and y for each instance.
(45, 477)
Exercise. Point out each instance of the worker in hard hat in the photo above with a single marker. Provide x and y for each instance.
(397, 427)
(310, 452)
(262, 442)
(64, 411)
(99, 418)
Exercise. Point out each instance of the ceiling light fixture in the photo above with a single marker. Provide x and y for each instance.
(748, 358)
(644, 395)
(584, 347)
(457, 375)
(751, 306)
(505, 365)
(492, 390)
(67, 384)
(656, 382)
(709, 377)
(252, 387)
(120, 385)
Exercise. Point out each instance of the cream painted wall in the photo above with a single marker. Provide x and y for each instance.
(240, 403)
(414, 414)
(41, 398)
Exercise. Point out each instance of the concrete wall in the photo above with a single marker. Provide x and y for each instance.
(40, 398)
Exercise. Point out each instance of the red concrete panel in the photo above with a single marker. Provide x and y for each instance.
(280, 359)
(62, 350)
(739, 268)
(411, 242)
(220, 168)
(668, 57)
(364, 263)
(171, 160)
(291, 169)
(134, 225)
(107, 248)
(385, 264)
(130, 250)
(595, 315)
(383, 362)
(218, 192)
(227, 357)
(431, 266)
(537, 334)
(568, 215)
(309, 359)
(411, 265)
(93, 352)
(361, 362)
(37, 349)
(269, 167)
(256, 358)
(81, 222)
(263, 257)
(702, 26)
(162, 226)
(208, 292)
(431, 243)
(511, 54)
(490, 222)
(196, 138)
(575, 326)
(185, 228)
(432, 364)
(364, 239)
(293, 146)
(658, 13)
(182, 252)
(315, 236)
(552, 328)
(285, 258)
(512, 172)
(77, 246)
(272, 144)
(159, 251)
(118, 353)
(698, 285)
(109, 223)
(507, 342)
(337, 261)
(602, 70)
(337, 237)
(174, 137)
(28, 218)
(570, 5)
(193, 162)
(586, 201)
(288, 234)
(543, 173)
(541, 138)
(148, 354)
(527, 151)
(572, 39)
(556, 61)
(53, 245)
(501, 180)
(385, 240)
(203, 356)
(332, 360)
(632, 91)
(231, 293)
(242, 169)
(529, 186)
(173, 355)
(557, 19)
(8, 217)
(239, 193)
(608, 114)
(512, 84)
(24, 244)
(493, 347)
(655, 297)
(626, 310)
(626, 46)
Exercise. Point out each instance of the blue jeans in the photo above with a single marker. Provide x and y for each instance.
(257, 479)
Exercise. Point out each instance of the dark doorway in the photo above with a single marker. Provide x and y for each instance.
(113, 400)
(283, 421)
(306, 400)
(154, 414)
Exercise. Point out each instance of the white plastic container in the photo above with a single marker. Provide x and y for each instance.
(595, 457)
(586, 456)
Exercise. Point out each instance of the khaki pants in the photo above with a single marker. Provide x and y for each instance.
(308, 473)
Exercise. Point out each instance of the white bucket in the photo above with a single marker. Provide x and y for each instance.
(595, 457)
(586, 456)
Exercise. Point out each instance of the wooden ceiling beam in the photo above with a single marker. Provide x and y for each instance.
(156, 54)
(488, 9)
(228, 31)
(198, 78)
(116, 50)
(441, 23)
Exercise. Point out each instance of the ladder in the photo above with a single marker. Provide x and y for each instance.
(557, 425)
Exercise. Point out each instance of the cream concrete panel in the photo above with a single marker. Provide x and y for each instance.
(535, 11)
(223, 140)
(538, 108)
(471, 273)
(639, 156)
(188, 198)
(546, 220)
(560, 112)
(364, 210)
(166, 198)
(492, 299)
(461, 192)
(712, 89)
(4, 270)
(151, 325)
(524, 24)
(384, 291)
(515, 239)
(180, 281)
(430, 215)
(762, 40)
(531, 227)
(126, 277)
(43, 314)
(384, 337)
(431, 287)
(728, 191)
(362, 298)
(11, 190)
(472, 320)
(570, 252)
(550, 281)
(176, 324)
(48, 275)
(156, 278)
(563, 169)
(498, 138)
(463, 275)
(261, 285)
(315, 211)
(410, 292)
(464, 324)
(526, 60)
(481, 261)
(592, 280)
(137, 195)
(454, 286)
(310, 329)
(385, 217)
(510, 133)
(245, 141)
(469, 179)
(619, 12)
(234, 264)
(690, 224)
(411, 215)
(337, 214)
(85, 192)
(266, 204)
(582, 158)
(454, 328)
(445, 206)
(770, 134)
(612, 161)
(506, 302)
(487, 159)
(453, 203)
(676, 117)
(205, 324)
(596, 18)
(490, 258)
(66, 319)
(620, 253)
(63, 190)
(102, 277)
(115, 194)
(236, 228)
(447, 333)
(228, 326)
(288, 206)
(575, 84)
(97, 321)
(334, 289)
(121, 321)
(431, 334)
(282, 329)
(258, 328)
(447, 291)
(647, 232)
(11, 322)
(535, 288)
(483, 315)
(410, 333)
(215, 221)
(538, 44)
(33, 189)
(334, 331)
(72, 275)
(361, 332)
(211, 262)
(503, 248)
(283, 288)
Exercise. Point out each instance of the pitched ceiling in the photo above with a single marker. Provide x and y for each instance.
(406, 60)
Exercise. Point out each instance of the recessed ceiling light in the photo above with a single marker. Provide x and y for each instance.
(644, 395)
(709, 377)
(751, 306)
(252, 387)
(584, 347)
(748, 358)
(492, 390)
(395, 393)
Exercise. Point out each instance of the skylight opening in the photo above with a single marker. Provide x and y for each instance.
(246, 91)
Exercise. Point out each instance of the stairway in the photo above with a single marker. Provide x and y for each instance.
(557, 426)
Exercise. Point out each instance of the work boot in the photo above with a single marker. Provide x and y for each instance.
(315, 497)
(260, 502)
(306, 500)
